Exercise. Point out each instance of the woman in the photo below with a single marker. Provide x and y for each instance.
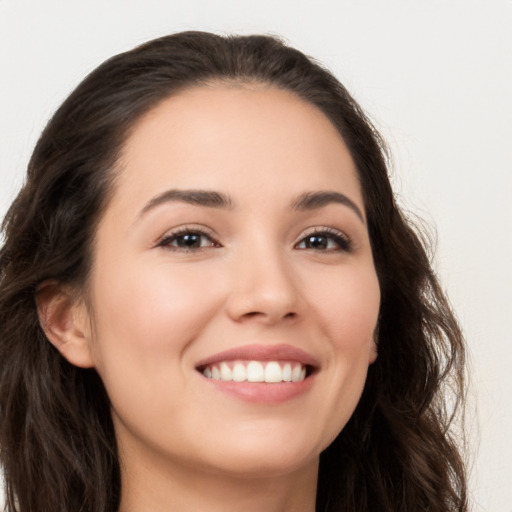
(210, 299)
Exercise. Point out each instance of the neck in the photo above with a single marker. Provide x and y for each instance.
(149, 488)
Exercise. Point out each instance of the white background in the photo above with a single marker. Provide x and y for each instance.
(436, 77)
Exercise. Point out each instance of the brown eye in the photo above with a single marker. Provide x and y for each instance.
(325, 241)
(188, 241)
(316, 242)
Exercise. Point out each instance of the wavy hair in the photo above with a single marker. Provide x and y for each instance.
(398, 452)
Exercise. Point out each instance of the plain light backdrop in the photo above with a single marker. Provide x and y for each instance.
(434, 75)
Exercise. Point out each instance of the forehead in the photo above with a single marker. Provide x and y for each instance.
(224, 137)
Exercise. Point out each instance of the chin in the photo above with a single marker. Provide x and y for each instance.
(265, 457)
(258, 466)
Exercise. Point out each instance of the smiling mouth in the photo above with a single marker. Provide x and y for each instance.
(257, 371)
(267, 373)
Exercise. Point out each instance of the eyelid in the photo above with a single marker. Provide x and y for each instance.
(178, 231)
(344, 242)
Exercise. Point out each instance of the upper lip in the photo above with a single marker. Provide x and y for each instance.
(281, 352)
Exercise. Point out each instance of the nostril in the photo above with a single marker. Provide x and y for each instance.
(251, 314)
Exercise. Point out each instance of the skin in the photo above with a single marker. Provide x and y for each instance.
(154, 311)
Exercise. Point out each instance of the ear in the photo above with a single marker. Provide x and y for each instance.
(373, 353)
(374, 350)
(66, 323)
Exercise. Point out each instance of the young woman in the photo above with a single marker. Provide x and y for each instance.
(209, 299)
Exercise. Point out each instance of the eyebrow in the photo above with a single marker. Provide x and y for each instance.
(315, 200)
(213, 199)
(206, 198)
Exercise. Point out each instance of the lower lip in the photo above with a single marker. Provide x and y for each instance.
(263, 392)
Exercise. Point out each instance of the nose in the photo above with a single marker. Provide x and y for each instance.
(265, 288)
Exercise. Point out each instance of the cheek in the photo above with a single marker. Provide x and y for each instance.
(143, 326)
(154, 312)
(349, 303)
(349, 310)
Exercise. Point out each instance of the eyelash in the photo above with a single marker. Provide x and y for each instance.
(343, 243)
(168, 240)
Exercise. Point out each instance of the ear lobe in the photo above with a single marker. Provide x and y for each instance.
(373, 353)
(65, 322)
(374, 349)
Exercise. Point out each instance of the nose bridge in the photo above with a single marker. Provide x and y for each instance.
(264, 284)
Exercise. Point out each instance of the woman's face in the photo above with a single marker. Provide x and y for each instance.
(234, 249)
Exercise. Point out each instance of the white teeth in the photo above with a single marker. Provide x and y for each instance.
(256, 371)
(239, 372)
(273, 372)
(296, 373)
(225, 372)
(287, 372)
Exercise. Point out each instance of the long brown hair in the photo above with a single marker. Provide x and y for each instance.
(58, 448)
